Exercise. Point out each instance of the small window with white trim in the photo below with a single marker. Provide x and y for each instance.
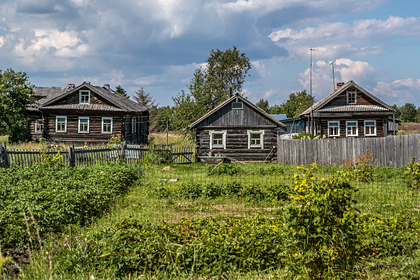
(84, 96)
(256, 139)
(370, 128)
(83, 124)
(217, 139)
(237, 105)
(134, 125)
(334, 129)
(351, 97)
(351, 128)
(38, 126)
(107, 125)
(60, 124)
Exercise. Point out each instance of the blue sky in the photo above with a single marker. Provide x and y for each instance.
(159, 44)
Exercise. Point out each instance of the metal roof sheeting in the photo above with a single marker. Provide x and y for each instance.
(353, 108)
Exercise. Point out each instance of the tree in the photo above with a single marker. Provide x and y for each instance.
(211, 85)
(144, 99)
(263, 104)
(121, 91)
(408, 112)
(296, 104)
(15, 95)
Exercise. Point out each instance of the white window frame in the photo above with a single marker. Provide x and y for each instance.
(238, 108)
(338, 129)
(355, 96)
(212, 133)
(374, 121)
(261, 133)
(65, 124)
(357, 128)
(88, 124)
(133, 125)
(102, 126)
(38, 126)
(80, 96)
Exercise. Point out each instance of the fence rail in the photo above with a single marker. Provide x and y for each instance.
(80, 156)
(393, 151)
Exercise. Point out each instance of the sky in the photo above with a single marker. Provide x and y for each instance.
(159, 44)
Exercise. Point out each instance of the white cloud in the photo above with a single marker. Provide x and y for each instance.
(346, 69)
(338, 39)
(399, 91)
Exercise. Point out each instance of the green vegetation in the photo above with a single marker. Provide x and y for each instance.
(242, 221)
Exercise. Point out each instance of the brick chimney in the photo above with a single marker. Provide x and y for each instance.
(106, 86)
(70, 86)
(339, 85)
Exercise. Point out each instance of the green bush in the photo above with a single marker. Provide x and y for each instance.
(224, 168)
(57, 197)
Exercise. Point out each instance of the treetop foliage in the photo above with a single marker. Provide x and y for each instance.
(121, 91)
(144, 99)
(16, 93)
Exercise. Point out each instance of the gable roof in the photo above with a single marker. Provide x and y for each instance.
(121, 102)
(227, 101)
(320, 105)
(47, 93)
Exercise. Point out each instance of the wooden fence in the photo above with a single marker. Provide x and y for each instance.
(394, 151)
(80, 156)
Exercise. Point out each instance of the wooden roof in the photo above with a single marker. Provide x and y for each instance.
(226, 102)
(121, 102)
(321, 105)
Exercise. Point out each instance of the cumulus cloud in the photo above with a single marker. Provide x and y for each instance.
(399, 91)
(345, 70)
(340, 39)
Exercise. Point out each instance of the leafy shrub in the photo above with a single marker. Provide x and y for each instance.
(413, 170)
(57, 197)
(224, 168)
(361, 170)
(321, 223)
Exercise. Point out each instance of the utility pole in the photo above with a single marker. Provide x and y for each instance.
(332, 66)
(312, 99)
(167, 132)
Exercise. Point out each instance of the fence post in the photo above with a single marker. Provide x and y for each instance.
(124, 145)
(5, 155)
(72, 158)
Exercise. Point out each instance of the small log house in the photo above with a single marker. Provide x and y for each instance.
(239, 130)
(350, 111)
(87, 113)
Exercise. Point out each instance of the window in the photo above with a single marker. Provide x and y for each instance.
(84, 96)
(133, 125)
(351, 127)
(237, 105)
(351, 97)
(255, 139)
(370, 128)
(83, 124)
(38, 126)
(60, 124)
(107, 125)
(334, 129)
(217, 139)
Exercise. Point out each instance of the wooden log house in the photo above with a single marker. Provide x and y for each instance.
(87, 114)
(238, 130)
(350, 111)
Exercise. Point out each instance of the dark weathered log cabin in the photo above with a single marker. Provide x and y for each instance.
(87, 113)
(239, 130)
(350, 111)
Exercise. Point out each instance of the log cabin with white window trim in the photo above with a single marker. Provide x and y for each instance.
(239, 130)
(350, 111)
(87, 113)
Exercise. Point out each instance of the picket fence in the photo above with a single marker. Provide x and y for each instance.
(81, 156)
(390, 151)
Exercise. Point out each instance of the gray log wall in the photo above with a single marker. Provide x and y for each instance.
(393, 151)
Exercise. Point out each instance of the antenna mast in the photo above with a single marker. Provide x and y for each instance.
(332, 66)
(312, 99)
